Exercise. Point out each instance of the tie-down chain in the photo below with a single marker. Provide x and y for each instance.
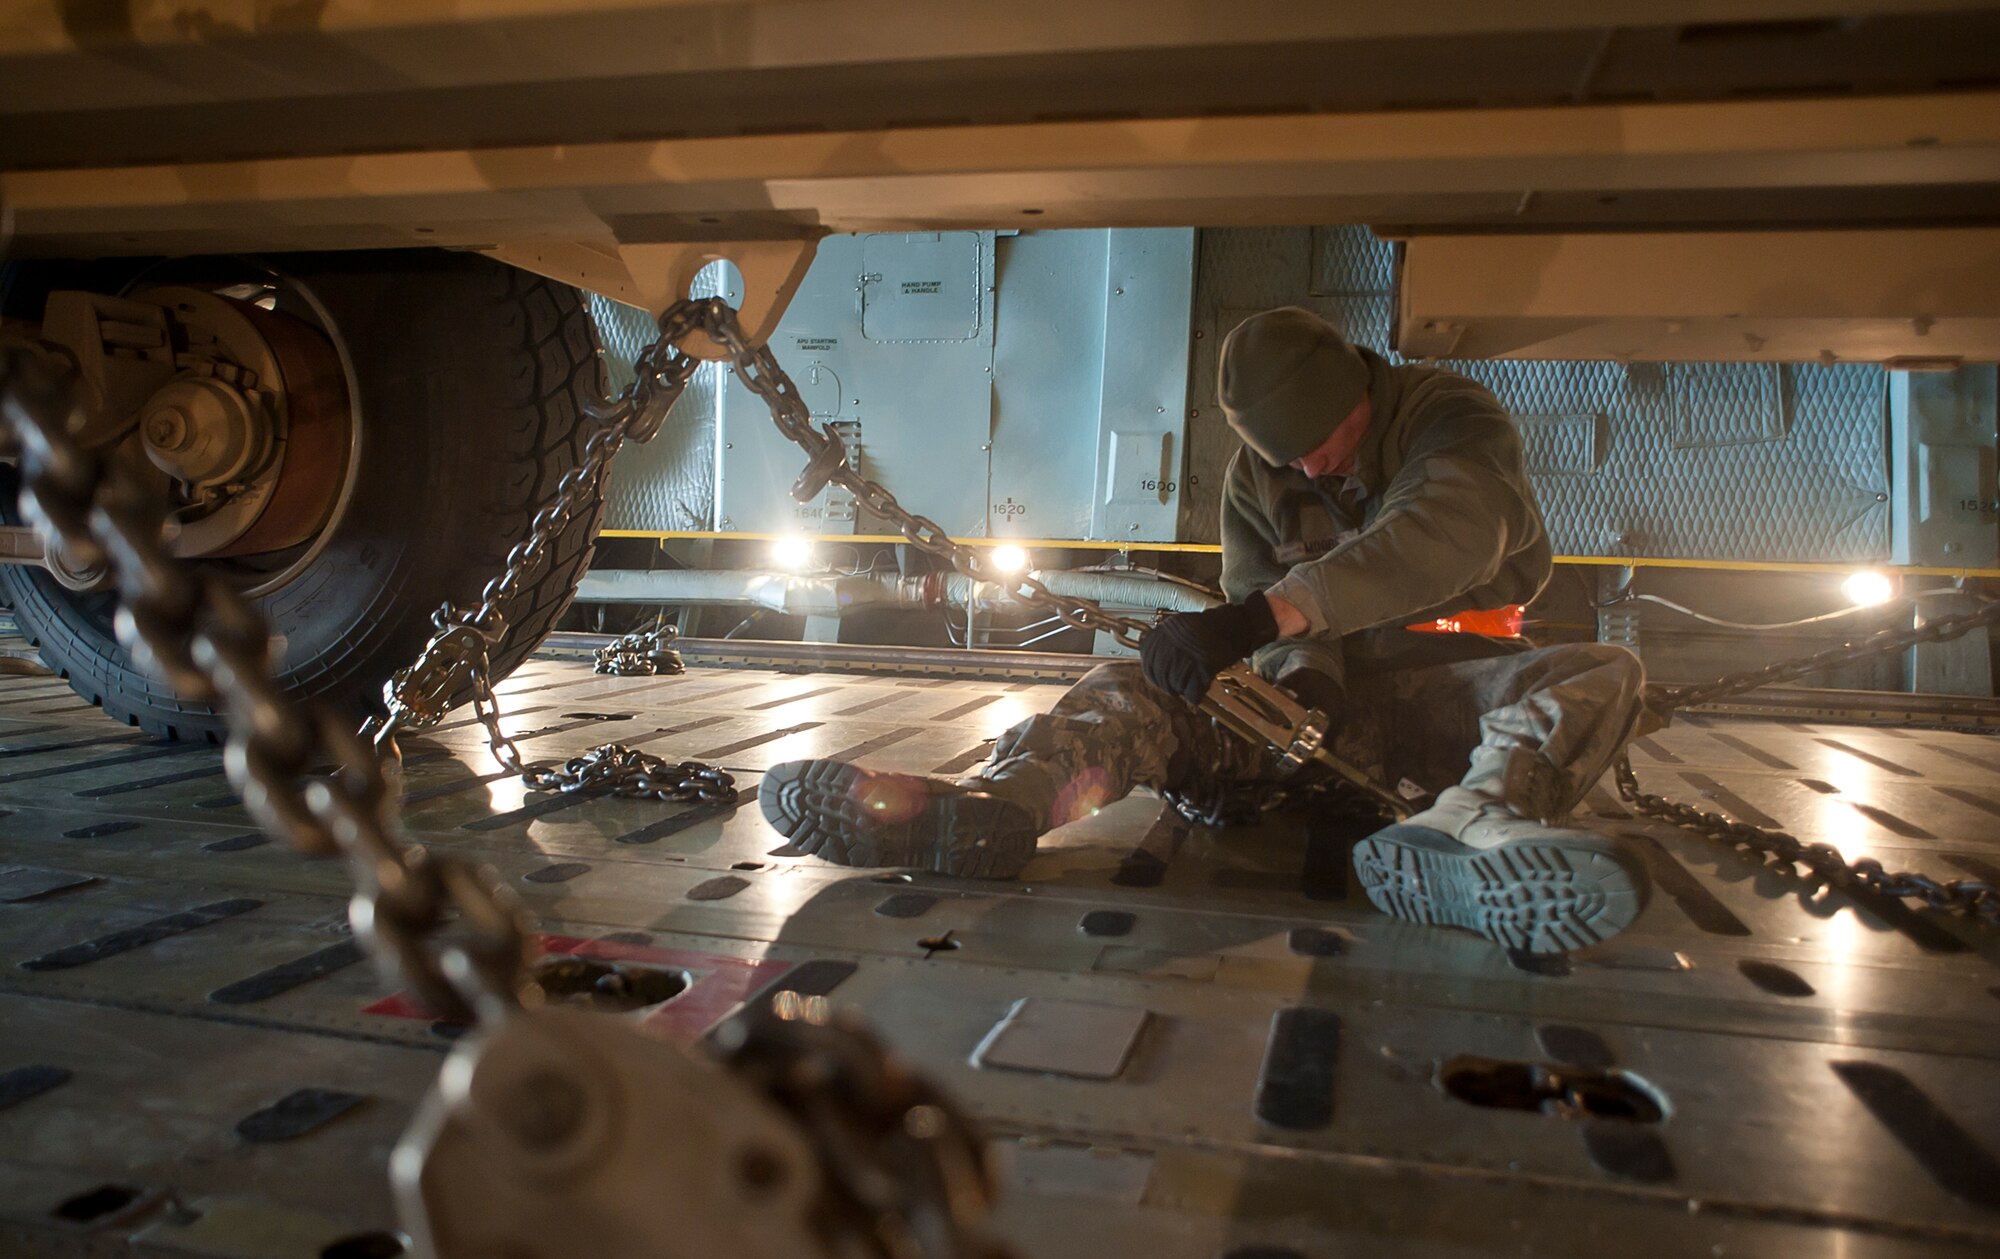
(550, 1131)
(1240, 701)
(1975, 898)
(445, 928)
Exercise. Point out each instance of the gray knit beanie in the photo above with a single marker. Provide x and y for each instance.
(1286, 381)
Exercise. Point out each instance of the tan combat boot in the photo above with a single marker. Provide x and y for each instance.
(1474, 860)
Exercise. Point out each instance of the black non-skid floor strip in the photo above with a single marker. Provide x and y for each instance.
(586, 680)
(703, 696)
(24, 731)
(1977, 801)
(1954, 1157)
(668, 732)
(791, 699)
(1700, 905)
(22, 1083)
(296, 1114)
(532, 810)
(232, 800)
(543, 732)
(1987, 763)
(694, 815)
(98, 830)
(286, 976)
(1658, 753)
(102, 762)
(876, 744)
(463, 722)
(46, 693)
(560, 872)
(1890, 822)
(866, 705)
(1779, 981)
(100, 740)
(1752, 751)
(228, 1016)
(1897, 915)
(453, 786)
(1602, 804)
(157, 780)
(906, 905)
(25, 883)
(719, 888)
(1295, 1083)
(966, 709)
(1984, 871)
(1743, 809)
(769, 736)
(965, 760)
(1877, 761)
(138, 937)
(238, 843)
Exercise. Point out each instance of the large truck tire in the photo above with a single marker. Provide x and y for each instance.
(468, 381)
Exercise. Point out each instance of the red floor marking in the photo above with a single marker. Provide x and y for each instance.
(717, 984)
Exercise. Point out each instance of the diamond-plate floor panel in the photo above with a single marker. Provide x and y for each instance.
(1827, 1071)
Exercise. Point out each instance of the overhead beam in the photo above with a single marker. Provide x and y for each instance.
(1912, 298)
(1316, 168)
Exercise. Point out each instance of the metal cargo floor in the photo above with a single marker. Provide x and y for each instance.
(1827, 1072)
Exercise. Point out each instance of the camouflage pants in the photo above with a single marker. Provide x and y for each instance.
(1561, 713)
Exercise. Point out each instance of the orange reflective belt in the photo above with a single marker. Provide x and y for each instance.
(1493, 622)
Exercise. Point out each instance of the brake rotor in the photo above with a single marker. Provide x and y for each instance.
(259, 415)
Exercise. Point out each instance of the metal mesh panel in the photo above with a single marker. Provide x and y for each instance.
(1726, 404)
(1698, 461)
(1348, 261)
(668, 483)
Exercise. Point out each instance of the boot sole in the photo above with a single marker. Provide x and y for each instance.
(835, 811)
(1542, 897)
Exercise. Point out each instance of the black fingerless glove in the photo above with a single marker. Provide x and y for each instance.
(1182, 654)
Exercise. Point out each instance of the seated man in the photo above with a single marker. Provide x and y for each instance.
(1368, 497)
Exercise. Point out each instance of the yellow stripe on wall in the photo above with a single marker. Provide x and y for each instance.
(1209, 548)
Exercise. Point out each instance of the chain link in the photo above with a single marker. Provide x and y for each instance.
(1249, 706)
(827, 463)
(1970, 897)
(641, 654)
(1853, 651)
(616, 770)
(438, 923)
(461, 649)
(904, 1171)
(458, 659)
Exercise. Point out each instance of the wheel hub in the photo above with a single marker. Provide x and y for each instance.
(253, 430)
(205, 433)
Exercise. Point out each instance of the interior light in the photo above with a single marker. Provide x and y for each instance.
(792, 553)
(1867, 588)
(1008, 559)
